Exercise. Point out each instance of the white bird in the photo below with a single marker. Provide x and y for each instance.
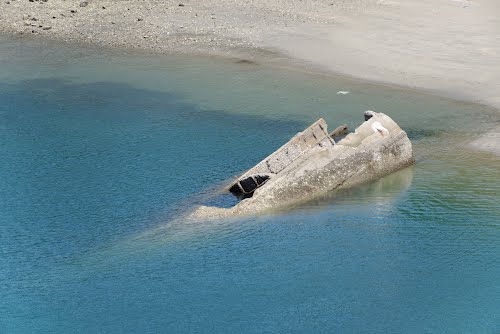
(377, 127)
(342, 92)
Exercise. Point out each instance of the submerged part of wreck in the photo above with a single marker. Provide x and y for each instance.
(312, 164)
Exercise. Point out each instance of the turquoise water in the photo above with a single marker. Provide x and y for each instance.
(103, 151)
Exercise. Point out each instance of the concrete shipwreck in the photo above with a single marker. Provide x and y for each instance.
(312, 164)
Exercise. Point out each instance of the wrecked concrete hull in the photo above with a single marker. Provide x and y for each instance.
(318, 176)
(361, 157)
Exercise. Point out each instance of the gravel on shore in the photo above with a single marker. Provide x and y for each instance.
(208, 25)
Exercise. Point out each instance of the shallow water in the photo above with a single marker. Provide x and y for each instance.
(102, 151)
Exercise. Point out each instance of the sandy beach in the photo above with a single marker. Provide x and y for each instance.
(447, 47)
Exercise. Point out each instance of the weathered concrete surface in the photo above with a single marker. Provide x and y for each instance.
(315, 135)
(363, 156)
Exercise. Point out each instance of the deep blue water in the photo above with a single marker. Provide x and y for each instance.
(100, 158)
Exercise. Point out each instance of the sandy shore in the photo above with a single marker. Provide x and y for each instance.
(449, 47)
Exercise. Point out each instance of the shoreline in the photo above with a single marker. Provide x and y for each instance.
(448, 48)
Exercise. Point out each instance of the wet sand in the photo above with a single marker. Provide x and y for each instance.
(447, 47)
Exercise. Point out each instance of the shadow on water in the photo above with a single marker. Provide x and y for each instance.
(417, 134)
